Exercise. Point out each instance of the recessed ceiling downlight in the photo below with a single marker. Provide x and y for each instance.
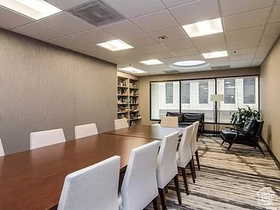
(189, 63)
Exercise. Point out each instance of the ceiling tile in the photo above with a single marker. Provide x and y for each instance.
(155, 21)
(271, 34)
(54, 26)
(172, 3)
(132, 9)
(198, 11)
(9, 19)
(178, 44)
(210, 43)
(124, 29)
(275, 15)
(245, 38)
(230, 7)
(66, 4)
(186, 52)
(241, 63)
(245, 20)
(173, 33)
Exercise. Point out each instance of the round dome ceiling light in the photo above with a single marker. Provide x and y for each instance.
(190, 63)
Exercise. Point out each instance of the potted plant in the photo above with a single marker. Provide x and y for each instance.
(239, 117)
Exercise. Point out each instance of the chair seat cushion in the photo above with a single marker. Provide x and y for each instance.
(228, 135)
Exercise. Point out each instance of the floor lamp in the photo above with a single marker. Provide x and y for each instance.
(217, 99)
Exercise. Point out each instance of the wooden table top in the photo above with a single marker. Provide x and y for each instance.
(146, 131)
(33, 180)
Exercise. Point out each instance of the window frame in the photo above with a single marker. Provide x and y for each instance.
(204, 78)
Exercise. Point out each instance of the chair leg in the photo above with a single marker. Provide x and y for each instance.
(192, 170)
(155, 204)
(162, 198)
(223, 142)
(192, 160)
(176, 182)
(185, 180)
(230, 144)
(197, 159)
(260, 149)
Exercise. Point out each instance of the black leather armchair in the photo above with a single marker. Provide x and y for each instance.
(249, 135)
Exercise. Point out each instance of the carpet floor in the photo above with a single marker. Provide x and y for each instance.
(241, 178)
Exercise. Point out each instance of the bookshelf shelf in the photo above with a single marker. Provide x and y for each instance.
(128, 97)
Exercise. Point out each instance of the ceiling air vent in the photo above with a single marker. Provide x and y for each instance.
(171, 71)
(97, 13)
(220, 67)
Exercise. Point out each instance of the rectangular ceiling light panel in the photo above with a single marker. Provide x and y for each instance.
(35, 9)
(215, 54)
(204, 28)
(115, 45)
(152, 62)
(131, 69)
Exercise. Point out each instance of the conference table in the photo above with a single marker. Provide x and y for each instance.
(33, 180)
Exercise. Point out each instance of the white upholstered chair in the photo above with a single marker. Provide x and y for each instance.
(184, 154)
(194, 143)
(82, 131)
(139, 187)
(92, 188)
(45, 138)
(171, 122)
(2, 153)
(167, 166)
(121, 123)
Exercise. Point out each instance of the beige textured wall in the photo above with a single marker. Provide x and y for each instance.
(144, 84)
(44, 87)
(270, 99)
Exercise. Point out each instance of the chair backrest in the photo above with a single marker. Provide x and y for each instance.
(85, 130)
(121, 123)
(92, 188)
(139, 185)
(2, 152)
(185, 150)
(45, 138)
(167, 163)
(195, 136)
(171, 122)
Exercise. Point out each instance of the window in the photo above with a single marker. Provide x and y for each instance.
(169, 93)
(160, 104)
(238, 92)
(196, 97)
(193, 89)
(185, 92)
(249, 90)
(229, 91)
(203, 92)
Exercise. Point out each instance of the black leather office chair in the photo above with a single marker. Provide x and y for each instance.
(249, 135)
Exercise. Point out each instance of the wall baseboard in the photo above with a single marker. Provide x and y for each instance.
(271, 153)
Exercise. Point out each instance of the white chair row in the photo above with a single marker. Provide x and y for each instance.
(96, 187)
(49, 137)
(147, 175)
(44, 138)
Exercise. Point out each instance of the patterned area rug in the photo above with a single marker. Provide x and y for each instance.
(241, 178)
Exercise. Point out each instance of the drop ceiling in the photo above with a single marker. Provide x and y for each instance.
(251, 27)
